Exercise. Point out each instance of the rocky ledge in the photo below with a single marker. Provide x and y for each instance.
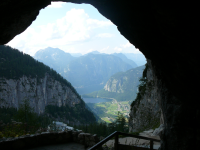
(49, 138)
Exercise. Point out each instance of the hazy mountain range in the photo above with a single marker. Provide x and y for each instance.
(89, 72)
(139, 59)
(121, 86)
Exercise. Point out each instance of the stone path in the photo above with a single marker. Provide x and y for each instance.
(68, 146)
(133, 141)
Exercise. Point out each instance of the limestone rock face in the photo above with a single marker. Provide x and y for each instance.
(145, 114)
(40, 92)
(122, 82)
(114, 85)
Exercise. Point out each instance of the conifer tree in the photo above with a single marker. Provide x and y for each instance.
(26, 113)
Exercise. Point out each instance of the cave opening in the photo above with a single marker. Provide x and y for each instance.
(74, 28)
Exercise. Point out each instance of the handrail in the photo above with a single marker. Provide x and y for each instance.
(116, 133)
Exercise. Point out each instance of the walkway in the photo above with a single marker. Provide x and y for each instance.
(68, 146)
(135, 141)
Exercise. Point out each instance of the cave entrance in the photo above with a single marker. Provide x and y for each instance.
(77, 29)
(74, 28)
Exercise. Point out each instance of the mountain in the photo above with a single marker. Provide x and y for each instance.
(94, 52)
(90, 72)
(138, 58)
(125, 59)
(87, 73)
(121, 86)
(54, 58)
(22, 77)
(120, 55)
(76, 54)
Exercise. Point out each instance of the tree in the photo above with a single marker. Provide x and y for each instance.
(26, 113)
(120, 122)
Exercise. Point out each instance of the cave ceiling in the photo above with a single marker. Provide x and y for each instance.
(162, 31)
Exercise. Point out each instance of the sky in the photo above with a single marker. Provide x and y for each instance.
(73, 28)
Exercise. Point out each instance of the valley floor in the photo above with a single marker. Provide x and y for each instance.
(108, 111)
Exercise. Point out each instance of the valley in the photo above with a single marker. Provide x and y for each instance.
(89, 72)
(108, 111)
(96, 76)
(95, 88)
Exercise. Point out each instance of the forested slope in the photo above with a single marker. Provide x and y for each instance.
(122, 86)
(22, 77)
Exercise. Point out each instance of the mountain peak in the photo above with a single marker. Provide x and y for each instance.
(95, 52)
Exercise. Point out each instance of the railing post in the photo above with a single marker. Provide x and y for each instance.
(151, 144)
(116, 141)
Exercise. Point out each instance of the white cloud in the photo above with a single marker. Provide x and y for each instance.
(118, 49)
(75, 27)
(56, 4)
(127, 45)
(104, 50)
(94, 23)
(104, 35)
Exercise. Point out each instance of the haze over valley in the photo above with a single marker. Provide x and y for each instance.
(98, 75)
(89, 72)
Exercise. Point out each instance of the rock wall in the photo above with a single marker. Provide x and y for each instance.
(145, 113)
(40, 92)
(114, 85)
(122, 82)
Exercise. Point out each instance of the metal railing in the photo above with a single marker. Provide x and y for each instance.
(116, 135)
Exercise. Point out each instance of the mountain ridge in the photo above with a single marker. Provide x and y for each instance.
(90, 72)
(121, 86)
(22, 77)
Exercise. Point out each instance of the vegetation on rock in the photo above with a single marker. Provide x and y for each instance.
(143, 112)
(26, 121)
(15, 65)
(104, 129)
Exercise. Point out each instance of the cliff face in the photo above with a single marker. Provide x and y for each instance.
(124, 81)
(146, 111)
(121, 86)
(41, 93)
(114, 85)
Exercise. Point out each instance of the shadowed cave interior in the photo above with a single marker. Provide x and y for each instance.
(165, 32)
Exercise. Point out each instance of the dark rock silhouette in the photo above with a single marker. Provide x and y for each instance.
(166, 32)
